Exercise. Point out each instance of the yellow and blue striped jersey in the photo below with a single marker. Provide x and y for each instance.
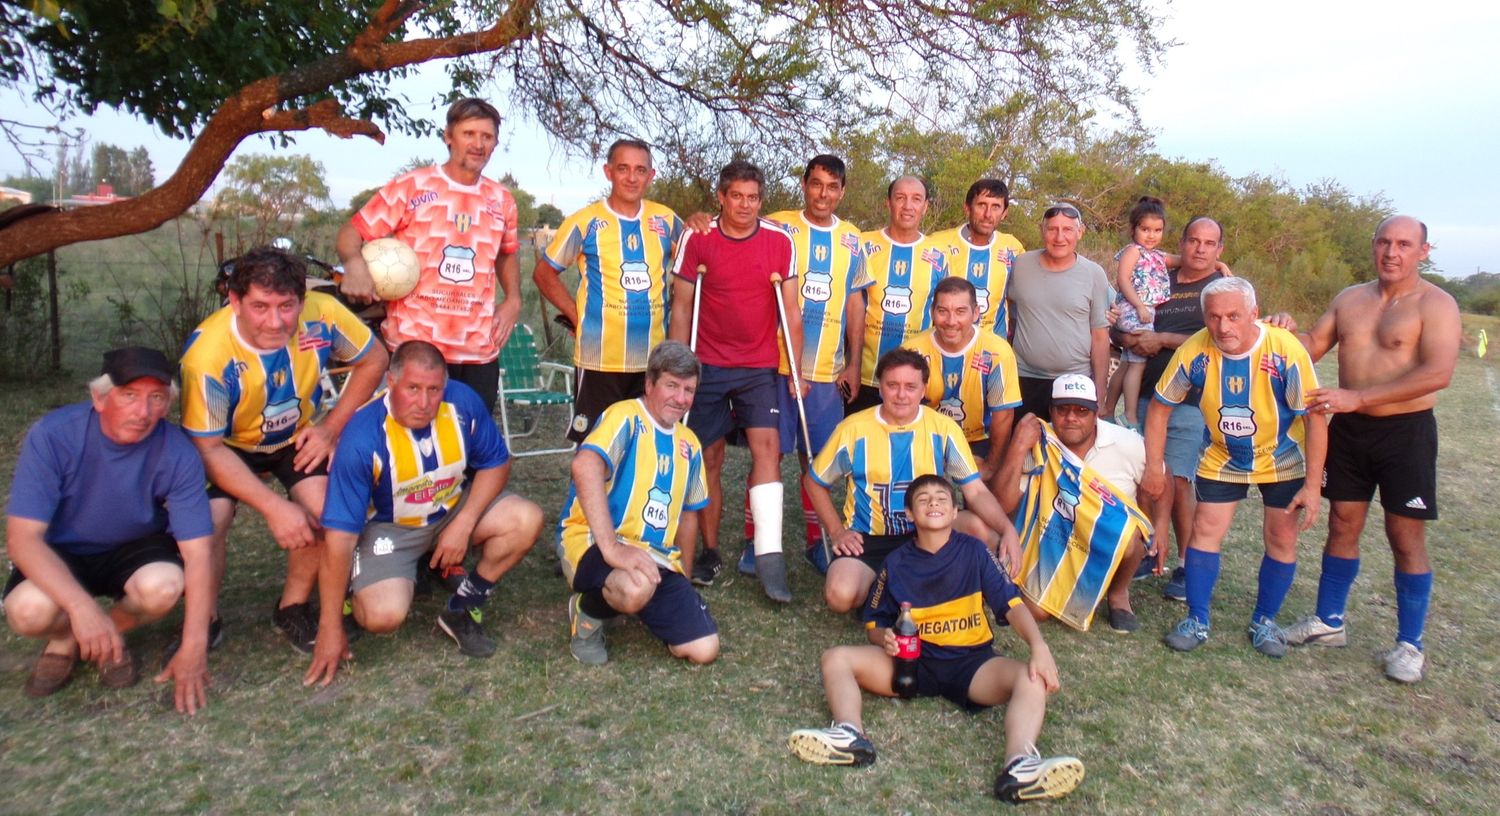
(831, 268)
(879, 460)
(973, 384)
(655, 474)
(623, 287)
(1075, 528)
(899, 300)
(947, 590)
(1253, 404)
(383, 471)
(257, 399)
(988, 268)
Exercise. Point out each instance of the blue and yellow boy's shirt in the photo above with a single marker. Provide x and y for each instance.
(880, 459)
(623, 287)
(654, 475)
(1253, 404)
(899, 300)
(1075, 528)
(258, 400)
(973, 384)
(832, 270)
(988, 268)
(383, 471)
(947, 590)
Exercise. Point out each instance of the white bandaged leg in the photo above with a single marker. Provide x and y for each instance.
(765, 511)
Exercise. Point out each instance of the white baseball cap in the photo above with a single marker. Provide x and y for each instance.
(1075, 389)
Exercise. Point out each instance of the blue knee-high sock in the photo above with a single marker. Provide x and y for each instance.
(1275, 579)
(1413, 590)
(1333, 588)
(1202, 570)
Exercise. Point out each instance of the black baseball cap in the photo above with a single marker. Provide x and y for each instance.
(128, 364)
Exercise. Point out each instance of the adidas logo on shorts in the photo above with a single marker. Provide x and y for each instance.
(1417, 504)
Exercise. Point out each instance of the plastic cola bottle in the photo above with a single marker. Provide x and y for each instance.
(908, 649)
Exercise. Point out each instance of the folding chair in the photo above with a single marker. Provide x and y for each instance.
(527, 381)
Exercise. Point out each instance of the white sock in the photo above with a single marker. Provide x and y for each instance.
(765, 511)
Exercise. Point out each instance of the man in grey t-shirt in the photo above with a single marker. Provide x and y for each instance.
(1058, 301)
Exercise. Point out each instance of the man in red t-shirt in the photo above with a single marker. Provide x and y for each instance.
(737, 342)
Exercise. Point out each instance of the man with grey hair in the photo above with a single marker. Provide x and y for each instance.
(1398, 338)
(108, 499)
(1059, 301)
(1254, 379)
(631, 518)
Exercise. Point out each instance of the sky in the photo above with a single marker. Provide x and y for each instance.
(1383, 97)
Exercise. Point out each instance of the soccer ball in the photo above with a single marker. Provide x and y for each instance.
(393, 266)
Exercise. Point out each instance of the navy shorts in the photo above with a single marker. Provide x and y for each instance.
(105, 574)
(1273, 494)
(278, 463)
(877, 547)
(676, 613)
(824, 406)
(730, 398)
(950, 678)
(1396, 453)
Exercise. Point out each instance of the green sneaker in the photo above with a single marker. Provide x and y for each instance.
(587, 633)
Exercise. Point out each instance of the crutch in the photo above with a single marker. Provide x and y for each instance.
(693, 332)
(791, 364)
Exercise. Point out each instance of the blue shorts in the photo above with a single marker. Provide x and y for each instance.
(824, 406)
(950, 678)
(730, 398)
(1274, 494)
(676, 613)
(1186, 438)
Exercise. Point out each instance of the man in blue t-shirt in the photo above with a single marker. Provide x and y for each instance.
(108, 499)
(397, 491)
(947, 578)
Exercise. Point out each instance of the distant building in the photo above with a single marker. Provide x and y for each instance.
(103, 194)
(12, 194)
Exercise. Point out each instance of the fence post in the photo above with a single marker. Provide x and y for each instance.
(52, 317)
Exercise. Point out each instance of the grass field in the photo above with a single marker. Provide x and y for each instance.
(412, 726)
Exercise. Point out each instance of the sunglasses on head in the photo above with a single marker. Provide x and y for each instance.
(1061, 209)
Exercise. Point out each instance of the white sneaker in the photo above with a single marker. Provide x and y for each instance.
(1312, 631)
(839, 744)
(1404, 663)
(1030, 777)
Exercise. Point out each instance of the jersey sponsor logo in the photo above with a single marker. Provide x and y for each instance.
(1236, 384)
(596, 225)
(1236, 421)
(310, 339)
(493, 208)
(849, 242)
(935, 258)
(1273, 364)
(457, 265)
(427, 490)
(871, 248)
(983, 362)
(817, 286)
(658, 225)
(655, 511)
(897, 299)
(280, 417)
(930, 629)
(421, 198)
(635, 276)
(1103, 490)
(685, 449)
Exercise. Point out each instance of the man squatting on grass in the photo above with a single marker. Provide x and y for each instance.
(948, 578)
(397, 491)
(108, 499)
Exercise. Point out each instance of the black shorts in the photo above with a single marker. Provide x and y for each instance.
(1036, 397)
(105, 574)
(877, 547)
(868, 397)
(731, 398)
(1396, 453)
(484, 378)
(278, 463)
(676, 612)
(595, 391)
(950, 678)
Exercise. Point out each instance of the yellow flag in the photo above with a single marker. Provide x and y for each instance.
(1484, 343)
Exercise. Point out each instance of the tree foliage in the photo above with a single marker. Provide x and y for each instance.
(775, 76)
(266, 196)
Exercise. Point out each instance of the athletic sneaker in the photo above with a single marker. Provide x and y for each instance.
(747, 559)
(1176, 587)
(706, 567)
(586, 633)
(1312, 631)
(1145, 569)
(1267, 637)
(1030, 777)
(817, 556)
(1405, 663)
(215, 640)
(298, 623)
(464, 628)
(1188, 635)
(840, 744)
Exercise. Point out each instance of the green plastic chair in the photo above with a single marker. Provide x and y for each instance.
(526, 381)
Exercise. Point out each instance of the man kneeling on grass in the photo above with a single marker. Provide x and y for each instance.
(947, 577)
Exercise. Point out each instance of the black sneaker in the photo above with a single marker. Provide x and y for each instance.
(215, 639)
(298, 623)
(707, 567)
(1032, 777)
(463, 627)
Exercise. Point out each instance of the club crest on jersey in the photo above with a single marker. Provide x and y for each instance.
(663, 464)
(457, 265)
(820, 253)
(982, 295)
(952, 408)
(1236, 421)
(635, 276)
(1236, 384)
(462, 221)
(277, 378)
(817, 286)
(632, 242)
(897, 300)
(1066, 503)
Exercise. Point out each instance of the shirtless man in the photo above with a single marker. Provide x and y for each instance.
(1397, 338)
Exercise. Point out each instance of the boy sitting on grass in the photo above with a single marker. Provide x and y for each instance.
(947, 577)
